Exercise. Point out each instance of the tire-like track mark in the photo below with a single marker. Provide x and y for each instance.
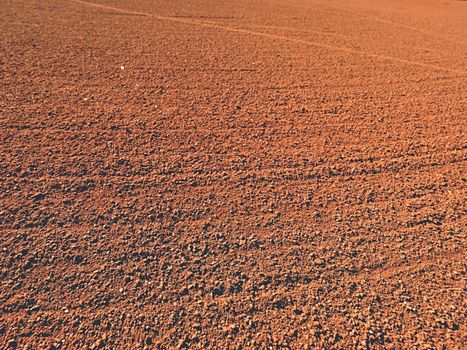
(390, 271)
(277, 37)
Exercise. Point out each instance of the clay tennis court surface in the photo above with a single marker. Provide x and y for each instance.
(207, 174)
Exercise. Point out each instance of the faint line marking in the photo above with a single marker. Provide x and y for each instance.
(273, 36)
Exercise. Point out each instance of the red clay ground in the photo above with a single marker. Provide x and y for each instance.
(243, 174)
